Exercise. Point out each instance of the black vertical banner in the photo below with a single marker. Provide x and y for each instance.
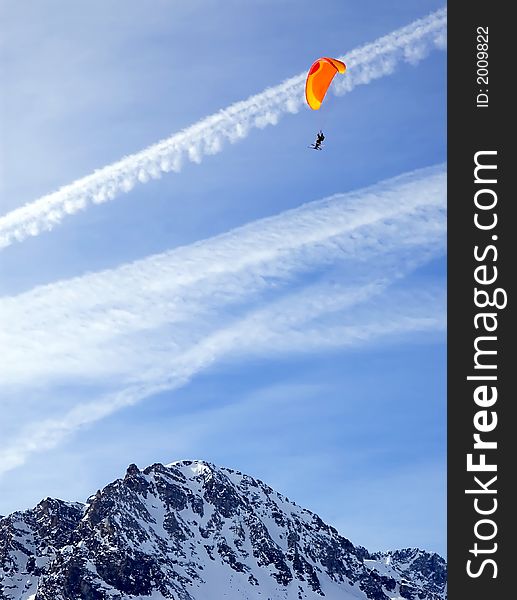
(482, 362)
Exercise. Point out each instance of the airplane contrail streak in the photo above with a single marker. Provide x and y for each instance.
(151, 326)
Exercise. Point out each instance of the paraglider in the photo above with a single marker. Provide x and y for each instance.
(319, 78)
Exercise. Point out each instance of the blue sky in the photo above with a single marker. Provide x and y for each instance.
(306, 348)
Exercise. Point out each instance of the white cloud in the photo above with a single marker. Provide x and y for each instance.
(152, 325)
(268, 331)
(91, 327)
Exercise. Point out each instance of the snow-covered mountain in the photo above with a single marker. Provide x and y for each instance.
(192, 531)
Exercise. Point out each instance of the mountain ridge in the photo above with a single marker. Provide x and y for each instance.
(192, 531)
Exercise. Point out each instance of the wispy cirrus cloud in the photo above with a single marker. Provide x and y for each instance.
(290, 326)
(318, 277)
(88, 327)
(367, 63)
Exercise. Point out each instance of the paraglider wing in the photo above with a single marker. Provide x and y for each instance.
(319, 78)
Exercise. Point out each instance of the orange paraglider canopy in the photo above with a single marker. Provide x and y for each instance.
(319, 78)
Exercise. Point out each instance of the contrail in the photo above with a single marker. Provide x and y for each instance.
(178, 292)
(266, 331)
(126, 334)
(367, 63)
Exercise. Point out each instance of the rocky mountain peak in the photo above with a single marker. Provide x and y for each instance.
(192, 531)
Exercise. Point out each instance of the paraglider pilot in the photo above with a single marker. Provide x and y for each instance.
(319, 140)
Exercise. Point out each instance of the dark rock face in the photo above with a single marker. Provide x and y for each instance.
(29, 540)
(413, 565)
(191, 531)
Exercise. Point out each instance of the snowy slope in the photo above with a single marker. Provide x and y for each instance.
(192, 531)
